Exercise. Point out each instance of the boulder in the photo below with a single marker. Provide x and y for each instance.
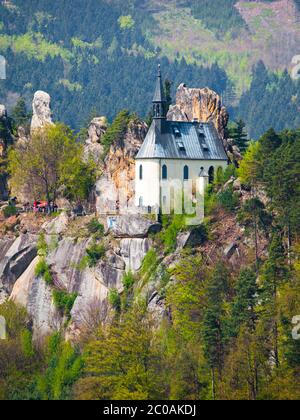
(193, 238)
(41, 110)
(230, 250)
(134, 226)
(57, 226)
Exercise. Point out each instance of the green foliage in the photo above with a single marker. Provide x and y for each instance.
(238, 134)
(96, 228)
(128, 281)
(171, 229)
(126, 22)
(19, 360)
(250, 168)
(42, 246)
(94, 253)
(279, 90)
(127, 368)
(64, 301)
(64, 366)
(114, 300)
(228, 200)
(116, 131)
(243, 310)
(213, 331)
(42, 269)
(51, 162)
(227, 19)
(150, 263)
(20, 116)
(9, 211)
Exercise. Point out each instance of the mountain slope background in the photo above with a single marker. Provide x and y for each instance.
(100, 56)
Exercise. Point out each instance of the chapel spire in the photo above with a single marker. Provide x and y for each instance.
(159, 99)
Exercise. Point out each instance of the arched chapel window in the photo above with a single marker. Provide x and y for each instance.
(186, 173)
(164, 172)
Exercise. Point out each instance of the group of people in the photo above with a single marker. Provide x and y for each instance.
(40, 207)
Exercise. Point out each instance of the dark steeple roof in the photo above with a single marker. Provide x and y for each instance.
(159, 95)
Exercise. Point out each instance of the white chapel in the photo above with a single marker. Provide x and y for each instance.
(175, 150)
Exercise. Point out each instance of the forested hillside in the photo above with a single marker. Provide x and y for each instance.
(102, 55)
(228, 323)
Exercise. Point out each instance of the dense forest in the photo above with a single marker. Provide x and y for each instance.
(102, 60)
(228, 334)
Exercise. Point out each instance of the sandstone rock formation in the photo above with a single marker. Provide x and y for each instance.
(134, 226)
(115, 189)
(201, 104)
(91, 284)
(41, 110)
(57, 226)
(93, 149)
(15, 257)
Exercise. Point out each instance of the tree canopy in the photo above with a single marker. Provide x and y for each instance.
(49, 165)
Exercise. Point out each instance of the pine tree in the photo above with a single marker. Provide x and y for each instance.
(239, 135)
(20, 116)
(275, 273)
(213, 333)
(243, 306)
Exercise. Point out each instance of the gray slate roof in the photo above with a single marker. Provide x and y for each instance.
(183, 140)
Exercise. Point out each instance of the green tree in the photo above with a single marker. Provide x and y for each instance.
(254, 217)
(250, 169)
(213, 328)
(282, 179)
(20, 115)
(122, 362)
(51, 163)
(63, 368)
(238, 133)
(243, 307)
(274, 274)
(117, 130)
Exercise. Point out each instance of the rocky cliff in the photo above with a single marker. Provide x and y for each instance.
(125, 249)
(115, 189)
(203, 105)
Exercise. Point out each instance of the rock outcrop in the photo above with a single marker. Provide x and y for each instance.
(18, 259)
(93, 148)
(15, 256)
(115, 189)
(203, 105)
(41, 110)
(134, 226)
